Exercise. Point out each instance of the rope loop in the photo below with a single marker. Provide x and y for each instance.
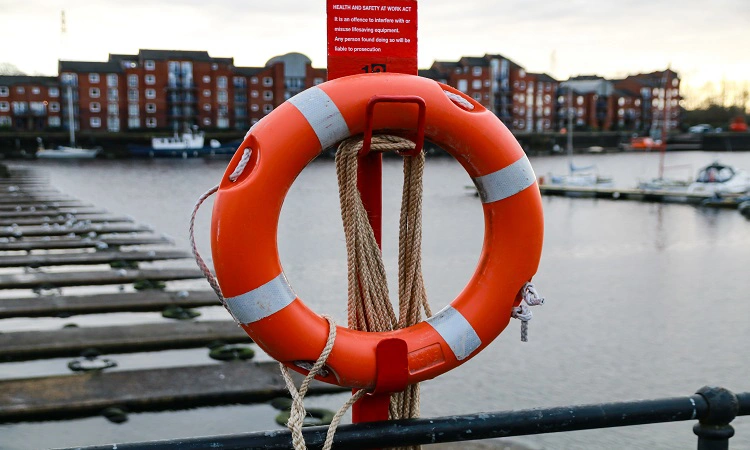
(241, 165)
(522, 312)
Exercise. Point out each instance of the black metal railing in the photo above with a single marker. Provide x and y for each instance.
(713, 407)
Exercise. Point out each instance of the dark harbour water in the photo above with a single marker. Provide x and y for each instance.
(643, 300)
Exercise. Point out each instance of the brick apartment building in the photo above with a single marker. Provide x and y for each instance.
(155, 89)
(174, 89)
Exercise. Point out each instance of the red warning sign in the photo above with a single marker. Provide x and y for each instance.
(371, 36)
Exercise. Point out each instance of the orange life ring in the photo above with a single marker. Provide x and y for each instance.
(246, 215)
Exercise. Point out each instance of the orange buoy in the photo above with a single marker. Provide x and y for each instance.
(246, 215)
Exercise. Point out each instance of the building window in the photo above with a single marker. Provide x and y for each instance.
(150, 107)
(95, 107)
(35, 90)
(133, 95)
(150, 93)
(547, 110)
(254, 80)
(5, 106)
(317, 81)
(638, 102)
(113, 109)
(267, 108)
(20, 90)
(221, 82)
(222, 122)
(93, 78)
(133, 109)
(477, 96)
(239, 82)
(476, 71)
(113, 124)
(254, 94)
(267, 95)
(4, 91)
(206, 122)
(206, 79)
(94, 92)
(132, 80)
(579, 100)
(151, 122)
(69, 78)
(267, 81)
(476, 84)
(221, 96)
(206, 93)
(463, 85)
(111, 80)
(5, 121)
(206, 107)
(254, 107)
(95, 122)
(134, 122)
(112, 94)
(150, 79)
(54, 121)
(149, 64)
(54, 92)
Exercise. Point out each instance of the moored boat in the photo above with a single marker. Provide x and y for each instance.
(718, 178)
(64, 152)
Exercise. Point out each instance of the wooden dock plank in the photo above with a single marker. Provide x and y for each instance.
(29, 345)
(65, 306)
(54, 206)
(87, 394)
(73, 212)
(78, 243)
(89, 258)
(23, 200)
(62, 219)
(78, 230)
(42, 280)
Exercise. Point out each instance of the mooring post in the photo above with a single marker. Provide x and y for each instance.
(714, 430)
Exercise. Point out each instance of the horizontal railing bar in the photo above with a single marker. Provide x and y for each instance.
(400, 433)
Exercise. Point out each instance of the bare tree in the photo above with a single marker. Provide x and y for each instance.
(7, 68)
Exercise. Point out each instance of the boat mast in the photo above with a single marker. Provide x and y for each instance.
(665, 122)
(71, 122)
(569, 146)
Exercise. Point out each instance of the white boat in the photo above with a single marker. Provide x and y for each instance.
(192, 139)
(64, 152)
(587, 176)
(581, 177)
(718, 179)
(67, 151)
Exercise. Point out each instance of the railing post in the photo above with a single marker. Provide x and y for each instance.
(714, 430)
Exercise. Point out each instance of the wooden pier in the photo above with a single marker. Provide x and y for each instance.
(644, 195)
(51, 245)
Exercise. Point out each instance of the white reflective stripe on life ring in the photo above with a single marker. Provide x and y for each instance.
(323, 115)
(505, 182)
(457, 332)
(262, 301)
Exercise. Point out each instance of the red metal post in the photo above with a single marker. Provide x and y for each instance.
(348, 58)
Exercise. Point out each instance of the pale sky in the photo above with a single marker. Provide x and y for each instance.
(706, 42)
